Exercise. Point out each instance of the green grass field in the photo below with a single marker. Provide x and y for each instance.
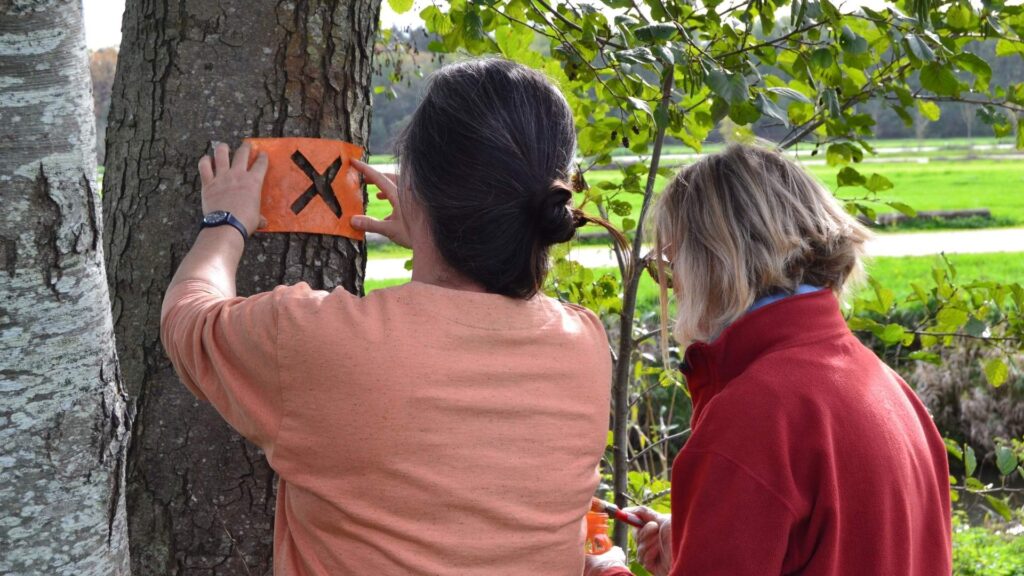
(896, 146)
(900, 146)
(993, 184)
(895, 273)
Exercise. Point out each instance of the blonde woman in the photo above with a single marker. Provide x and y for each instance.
(808, 454)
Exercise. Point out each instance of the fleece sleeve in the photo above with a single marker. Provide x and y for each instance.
(725, 520)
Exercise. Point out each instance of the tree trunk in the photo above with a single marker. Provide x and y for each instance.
(201, 499)
(63, 411)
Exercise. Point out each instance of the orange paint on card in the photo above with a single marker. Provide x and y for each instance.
(310, 186)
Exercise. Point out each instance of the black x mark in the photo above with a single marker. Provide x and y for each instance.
(321, 184)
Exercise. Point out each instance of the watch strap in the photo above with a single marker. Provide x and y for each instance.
(230, 219)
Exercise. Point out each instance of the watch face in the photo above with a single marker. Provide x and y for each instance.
(215, 217)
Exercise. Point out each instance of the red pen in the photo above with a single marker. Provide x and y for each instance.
(598, 505)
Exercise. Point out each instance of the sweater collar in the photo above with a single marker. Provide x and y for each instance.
(795, 320)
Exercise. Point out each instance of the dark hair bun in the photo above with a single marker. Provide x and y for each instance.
(485, 154)
(556, 221)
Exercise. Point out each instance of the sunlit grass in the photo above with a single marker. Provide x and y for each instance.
(896, 273)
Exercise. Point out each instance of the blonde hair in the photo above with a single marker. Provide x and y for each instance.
(748, 222)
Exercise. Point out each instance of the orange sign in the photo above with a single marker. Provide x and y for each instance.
(310, 186)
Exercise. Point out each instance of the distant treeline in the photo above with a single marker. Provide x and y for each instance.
(404, 63)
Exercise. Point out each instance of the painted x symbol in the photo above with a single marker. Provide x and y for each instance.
(321, 184)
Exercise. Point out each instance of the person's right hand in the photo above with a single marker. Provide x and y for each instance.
(393, 226)
(654, 540)
(612, 563)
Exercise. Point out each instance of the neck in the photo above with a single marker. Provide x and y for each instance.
(430, 267)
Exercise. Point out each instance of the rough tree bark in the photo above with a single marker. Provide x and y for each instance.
(63, 411)
(201, 500)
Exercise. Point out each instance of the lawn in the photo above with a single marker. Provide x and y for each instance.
(895, 273)
(898, 146)
(939, 185)
(996, 185)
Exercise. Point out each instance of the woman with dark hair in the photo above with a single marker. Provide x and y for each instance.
(451, 425)
(808, 454)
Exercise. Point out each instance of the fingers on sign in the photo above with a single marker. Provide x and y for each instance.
(310, 186)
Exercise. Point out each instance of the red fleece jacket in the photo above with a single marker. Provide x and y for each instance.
(808, 455)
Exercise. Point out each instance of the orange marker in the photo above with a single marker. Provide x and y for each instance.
(598, 505)
(598, 541)
(310, 186)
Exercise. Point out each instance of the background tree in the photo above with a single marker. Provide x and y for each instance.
(102, 66)
(639, 71)
(63, 410)
(201, 500)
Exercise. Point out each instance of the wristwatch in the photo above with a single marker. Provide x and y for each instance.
(220, 218)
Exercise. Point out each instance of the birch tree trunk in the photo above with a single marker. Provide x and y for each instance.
(201, 500)
(63, 419)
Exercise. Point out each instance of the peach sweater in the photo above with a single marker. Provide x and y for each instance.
(418, 430)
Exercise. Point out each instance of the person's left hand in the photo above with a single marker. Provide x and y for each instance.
(611, 561)
(232, 186)
(394, 227)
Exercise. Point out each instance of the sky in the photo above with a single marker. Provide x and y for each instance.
(103, 20)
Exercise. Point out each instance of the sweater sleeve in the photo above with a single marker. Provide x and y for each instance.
(724, 519)
(225, 352)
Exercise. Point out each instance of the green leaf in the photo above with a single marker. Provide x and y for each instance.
(929, 357)
(951, 318)
(731, 86)
(638, 104)
(790, 93)
(899, 206)
(661, 117)
(953, 448)
(400, 6)
(844, 153)
(473, 26)
(939, 79)
(832, 102)
(904, 95)
(719, 109)
(900, 111)
(1006, 460)
(892, 333)
(665, 54)
(636, 55)
(849, 176)
(919, 48)
(958, 16)
(877, 183)
(852, 43)
(821, 58)
(929, 110)
(655, 32)
(975, 327)
(970, 460)
(743, 113)
(979, 68)
(996, 372)
(1005, 47)
(1000, 507)
(437, 21)
(771, 109)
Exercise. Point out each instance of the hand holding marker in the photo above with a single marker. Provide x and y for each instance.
(598, 505)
